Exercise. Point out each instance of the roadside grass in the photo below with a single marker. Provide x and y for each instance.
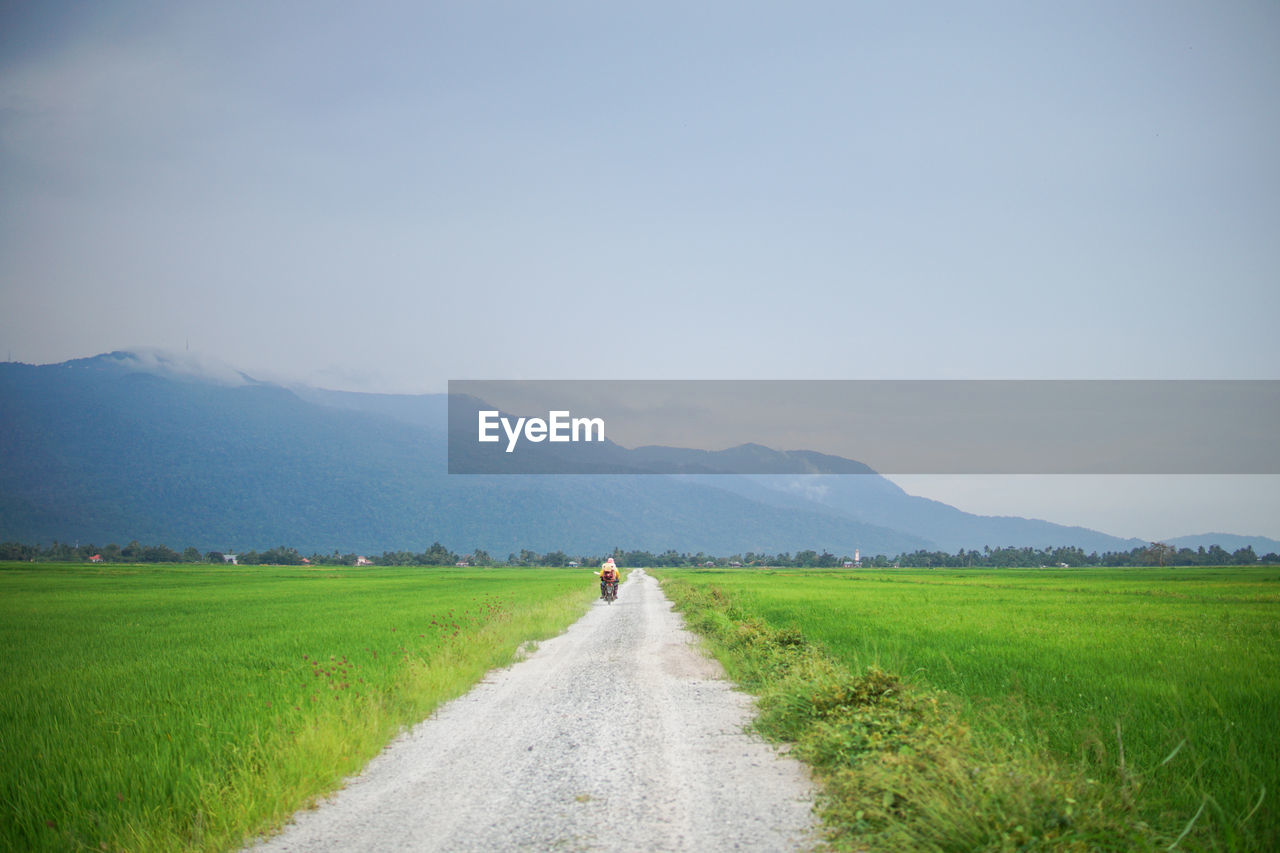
(178, 707)
(1010, 709)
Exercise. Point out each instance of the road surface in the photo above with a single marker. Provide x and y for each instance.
(618, 735)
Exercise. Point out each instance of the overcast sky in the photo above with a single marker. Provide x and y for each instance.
(388, 196)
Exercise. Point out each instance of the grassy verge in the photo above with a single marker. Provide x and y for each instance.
(177, 707)
(979, 764)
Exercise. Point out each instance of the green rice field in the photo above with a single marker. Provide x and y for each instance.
(186, 707)
(1159, 686)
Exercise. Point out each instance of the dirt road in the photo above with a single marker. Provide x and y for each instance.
(617, 735)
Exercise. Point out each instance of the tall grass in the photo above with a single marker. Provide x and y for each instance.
(161, 708)
(1160, 686)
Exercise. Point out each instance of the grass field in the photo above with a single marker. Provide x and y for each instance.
(1156, 692)
(182, 707)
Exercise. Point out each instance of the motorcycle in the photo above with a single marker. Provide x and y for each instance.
(609, 591)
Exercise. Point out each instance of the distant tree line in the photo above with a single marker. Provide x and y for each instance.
(1155, 554)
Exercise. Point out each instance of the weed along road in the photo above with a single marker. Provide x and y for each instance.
(618, 735)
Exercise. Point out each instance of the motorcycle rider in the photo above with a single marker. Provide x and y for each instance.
(608, 575)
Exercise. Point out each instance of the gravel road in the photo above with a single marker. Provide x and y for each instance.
(618, 735)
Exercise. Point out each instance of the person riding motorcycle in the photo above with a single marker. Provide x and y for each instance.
(608, 575)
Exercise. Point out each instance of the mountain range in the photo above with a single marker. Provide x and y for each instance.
(126, 446)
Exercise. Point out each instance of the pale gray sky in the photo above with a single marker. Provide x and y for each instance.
(387, 196)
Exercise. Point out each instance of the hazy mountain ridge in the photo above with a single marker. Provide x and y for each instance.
(120, 447)
(98, 451)
(1227, 541)
(876, 500)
